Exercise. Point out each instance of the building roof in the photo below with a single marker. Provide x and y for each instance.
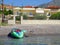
(53, 7)
(7, 6)
(27, 7)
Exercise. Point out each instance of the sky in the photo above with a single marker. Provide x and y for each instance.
(26, 2)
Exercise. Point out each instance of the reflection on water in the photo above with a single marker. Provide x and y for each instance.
(34, 40)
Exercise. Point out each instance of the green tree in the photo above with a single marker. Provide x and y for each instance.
(5, 11)
(10, 12)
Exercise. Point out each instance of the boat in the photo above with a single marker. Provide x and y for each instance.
(17, 33)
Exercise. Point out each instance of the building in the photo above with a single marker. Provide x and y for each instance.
(8, 7)
(53, 9)
(29, 11)
(40, 11)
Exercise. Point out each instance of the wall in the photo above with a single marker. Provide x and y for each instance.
(11, 21)
(40, 21)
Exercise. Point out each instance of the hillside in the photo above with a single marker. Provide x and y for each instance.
(52, 3)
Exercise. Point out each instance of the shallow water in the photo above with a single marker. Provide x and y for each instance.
(34, 40)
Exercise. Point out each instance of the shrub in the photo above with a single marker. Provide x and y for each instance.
(17, 18)
(55, 16)
(25, 17)
(0, 11)
(38, 17)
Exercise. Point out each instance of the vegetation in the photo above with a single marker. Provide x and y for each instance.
(10, 12)
(25, 17)
(3, 24)
(11, 18)
(0, 12)
(55, 16)
(37, 17)
(18, 18)
(40, 17)
(6, 12)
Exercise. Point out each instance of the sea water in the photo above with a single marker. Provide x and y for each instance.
(33, 40)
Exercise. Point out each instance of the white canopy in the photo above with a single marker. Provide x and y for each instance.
(39, 10)
(17, 8)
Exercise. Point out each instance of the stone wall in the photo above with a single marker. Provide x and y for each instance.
(11, 21)
(40, 22)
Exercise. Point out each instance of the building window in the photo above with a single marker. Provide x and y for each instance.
(30, 13)
(18, 13)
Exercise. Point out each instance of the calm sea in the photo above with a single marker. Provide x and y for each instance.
(34, 40)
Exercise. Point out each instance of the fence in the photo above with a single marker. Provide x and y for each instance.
(39, 21)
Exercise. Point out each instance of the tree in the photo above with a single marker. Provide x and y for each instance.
(10, 12)
(5, 11)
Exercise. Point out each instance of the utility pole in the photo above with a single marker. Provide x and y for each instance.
(12, 7)
(3, 11)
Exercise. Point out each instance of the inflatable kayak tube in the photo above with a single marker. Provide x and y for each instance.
(17, 33)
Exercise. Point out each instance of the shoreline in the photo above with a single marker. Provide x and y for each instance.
(37, 35)
(36, 29)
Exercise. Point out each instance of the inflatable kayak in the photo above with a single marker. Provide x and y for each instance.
(17, 33)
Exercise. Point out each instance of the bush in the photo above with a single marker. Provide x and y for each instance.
(0, 11)
(38, 17)
(55, 16)
(25, 17)
(18, 18)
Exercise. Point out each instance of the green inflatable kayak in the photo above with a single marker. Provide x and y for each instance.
(17, 33)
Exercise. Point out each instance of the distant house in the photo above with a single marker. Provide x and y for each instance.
(40, 11)
(8, 7)
(54, 9)
(29, 11)
(16, 11)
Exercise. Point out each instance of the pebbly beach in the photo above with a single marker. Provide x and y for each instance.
(46, 29)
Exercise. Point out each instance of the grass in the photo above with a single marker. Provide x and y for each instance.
(3, 24)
